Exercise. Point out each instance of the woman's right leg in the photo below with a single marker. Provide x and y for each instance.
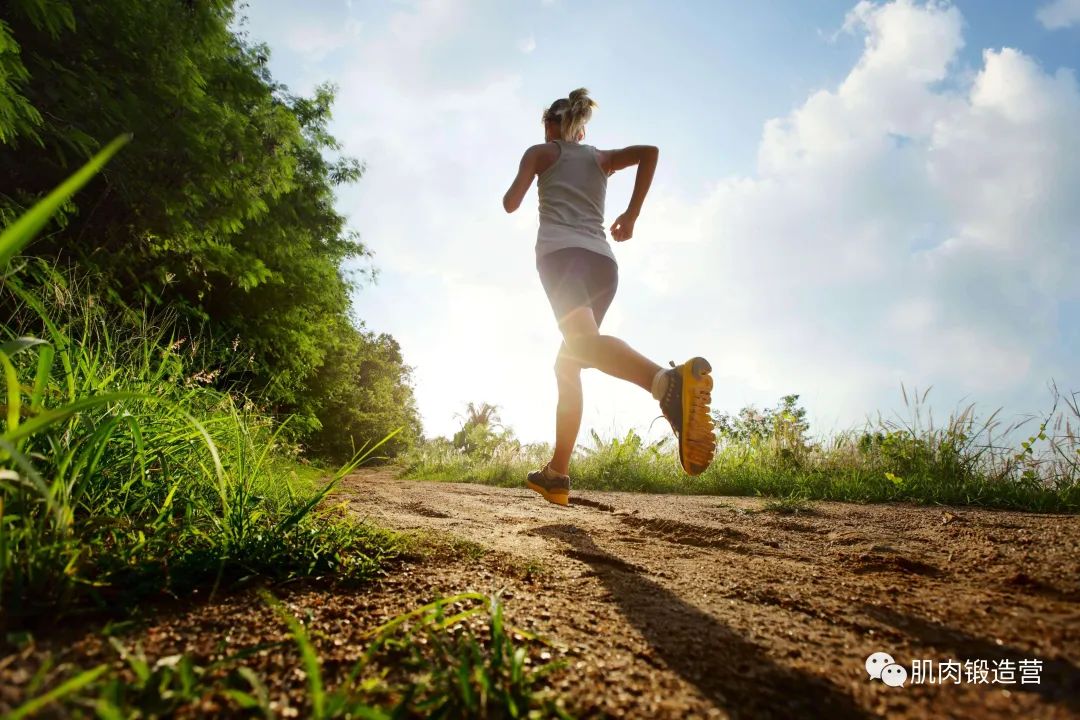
(608, 354)
(580, 330)
(686, 406)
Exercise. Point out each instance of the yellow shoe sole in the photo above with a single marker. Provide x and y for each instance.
(559, 498)
(697, 443)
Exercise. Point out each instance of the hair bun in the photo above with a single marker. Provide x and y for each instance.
(572, 113)
(580, 100)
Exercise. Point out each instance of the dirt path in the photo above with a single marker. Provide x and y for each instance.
(672, 606)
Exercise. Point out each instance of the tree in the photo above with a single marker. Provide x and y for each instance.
(784, 424)
(361, 396)
(220, 209)
(482, 432)
(484, 414)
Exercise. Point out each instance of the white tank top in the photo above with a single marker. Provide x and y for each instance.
(572, 194)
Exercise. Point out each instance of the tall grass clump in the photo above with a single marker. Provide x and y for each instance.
(1032, 464)
(503, 465)
(483, 451)
(122, 472)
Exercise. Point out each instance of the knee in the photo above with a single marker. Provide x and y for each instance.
(567, 372)
(578, 344)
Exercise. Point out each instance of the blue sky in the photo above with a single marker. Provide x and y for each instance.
(850, 195)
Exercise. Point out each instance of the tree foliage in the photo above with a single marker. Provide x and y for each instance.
(222, 206)
(785, 423)
(482, 433)
(367, 389)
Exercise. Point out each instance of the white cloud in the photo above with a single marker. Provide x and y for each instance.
(895, 231)
(322, 29)
(1059, 14)
(527, 45)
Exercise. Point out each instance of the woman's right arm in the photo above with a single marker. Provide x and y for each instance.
(523, 181)
(645, 157)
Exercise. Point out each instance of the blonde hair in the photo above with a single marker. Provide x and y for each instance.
(571, 113)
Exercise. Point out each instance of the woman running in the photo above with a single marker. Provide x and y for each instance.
(579, 274)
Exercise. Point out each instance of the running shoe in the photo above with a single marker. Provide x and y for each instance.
(686, 406)
(552, 486)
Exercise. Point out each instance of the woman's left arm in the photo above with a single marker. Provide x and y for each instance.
(526, 172)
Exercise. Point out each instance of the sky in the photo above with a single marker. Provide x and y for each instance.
(851, 197)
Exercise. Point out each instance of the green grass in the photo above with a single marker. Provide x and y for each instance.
(791, 505)
(453, 658)
(124, 475)
(962, 462)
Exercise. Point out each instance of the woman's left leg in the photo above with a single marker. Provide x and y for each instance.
(567, 412)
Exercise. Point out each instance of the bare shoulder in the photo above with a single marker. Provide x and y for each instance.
(547, 150)
(619, 158)
(543, 156)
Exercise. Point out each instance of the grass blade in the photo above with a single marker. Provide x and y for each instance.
(41, 378)
(307, 654)
(11, 381)
(23, 230)
(45, 419)
(20, 343)
(66, 688)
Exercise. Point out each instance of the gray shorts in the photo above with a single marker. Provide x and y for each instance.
(575, 277)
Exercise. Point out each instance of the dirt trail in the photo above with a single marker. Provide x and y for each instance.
(672, 606)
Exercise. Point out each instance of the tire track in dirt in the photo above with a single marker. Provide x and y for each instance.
(706, 606)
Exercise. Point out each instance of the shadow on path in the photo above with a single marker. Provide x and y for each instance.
(736, 675)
